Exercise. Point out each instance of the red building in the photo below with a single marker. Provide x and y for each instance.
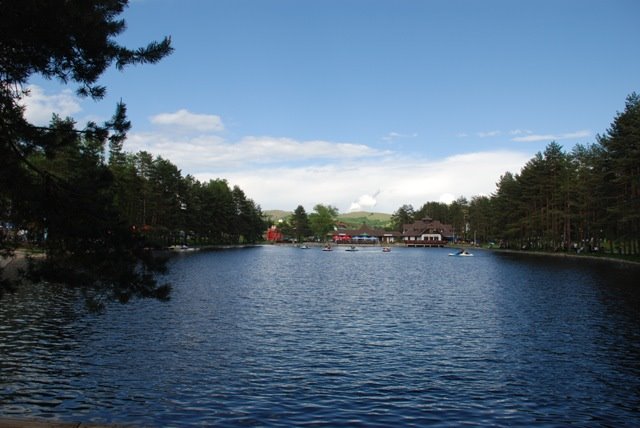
(274, 235)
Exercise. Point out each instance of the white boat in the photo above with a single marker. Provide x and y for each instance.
(304, 247)
(351, 248)
(461, 253)
(182, 248)
(327, 248)
(386, 250)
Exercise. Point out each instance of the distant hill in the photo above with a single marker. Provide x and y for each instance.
(355, 219)
(358, 218)
(276, 215)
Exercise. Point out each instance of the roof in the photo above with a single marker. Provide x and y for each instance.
(426, 225)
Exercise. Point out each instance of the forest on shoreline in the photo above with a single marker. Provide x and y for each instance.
(586, 200)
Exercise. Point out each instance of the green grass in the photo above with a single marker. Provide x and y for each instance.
(374, 220)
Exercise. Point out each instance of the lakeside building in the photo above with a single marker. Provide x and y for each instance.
(273, 235)
(427, 232)
(364, 235)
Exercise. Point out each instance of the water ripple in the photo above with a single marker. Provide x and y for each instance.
(281, 337)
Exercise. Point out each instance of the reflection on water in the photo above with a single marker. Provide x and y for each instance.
(280, 336)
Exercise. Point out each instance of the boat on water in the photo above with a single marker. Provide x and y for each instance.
(304, 247)
(386, 249)
(351, 248)
(327, 248)
(461, 253)
(182, 248)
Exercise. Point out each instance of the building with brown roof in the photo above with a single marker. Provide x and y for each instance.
(365, 235)
(427, 231)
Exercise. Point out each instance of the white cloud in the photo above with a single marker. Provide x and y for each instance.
(392, 136)
(40, 106)
(273, 149)
(553, 137)
(213, 152)
(401, 181)
(283, 173)
(184, 119)
(520, 131)
(364, 203)
(486, 134)
(447, 198)
(187, 153)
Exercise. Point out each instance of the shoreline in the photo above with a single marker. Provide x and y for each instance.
(11, 266)
(604, 258)
(44, 423)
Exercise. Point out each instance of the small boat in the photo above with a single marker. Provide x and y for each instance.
(182, 248)
(304, 247)
(351, 248)
(327, 248)
(386, 249)
(461, 253)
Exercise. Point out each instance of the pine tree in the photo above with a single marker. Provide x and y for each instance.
(622, 153)
(54, 179)
(300, 223)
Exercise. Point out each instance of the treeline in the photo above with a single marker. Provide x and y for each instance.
(301, 226)
(587, 199)
(169, 209)
(455, 214)
(95, 211)
(85, 208)
(78, 188)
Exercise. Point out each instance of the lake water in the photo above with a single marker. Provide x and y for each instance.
(279, 336)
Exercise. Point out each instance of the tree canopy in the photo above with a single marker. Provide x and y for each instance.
(54, 182)
(97, 211)
(587, 199)
(323, 220)
(403, 215)
(300, 223)
(69, 40)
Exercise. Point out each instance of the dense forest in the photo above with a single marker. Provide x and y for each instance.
(94, 210)
(585, 200)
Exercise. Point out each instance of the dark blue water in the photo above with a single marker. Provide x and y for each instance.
(278, 336)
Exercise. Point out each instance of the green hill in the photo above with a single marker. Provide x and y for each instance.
(358, 218)
(353, 219)
(275, 215)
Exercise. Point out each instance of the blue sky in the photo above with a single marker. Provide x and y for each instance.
(365, 104)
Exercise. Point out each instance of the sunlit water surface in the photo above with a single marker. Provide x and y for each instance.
(279, 336)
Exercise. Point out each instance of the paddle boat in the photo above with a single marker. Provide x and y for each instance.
(461, 253)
